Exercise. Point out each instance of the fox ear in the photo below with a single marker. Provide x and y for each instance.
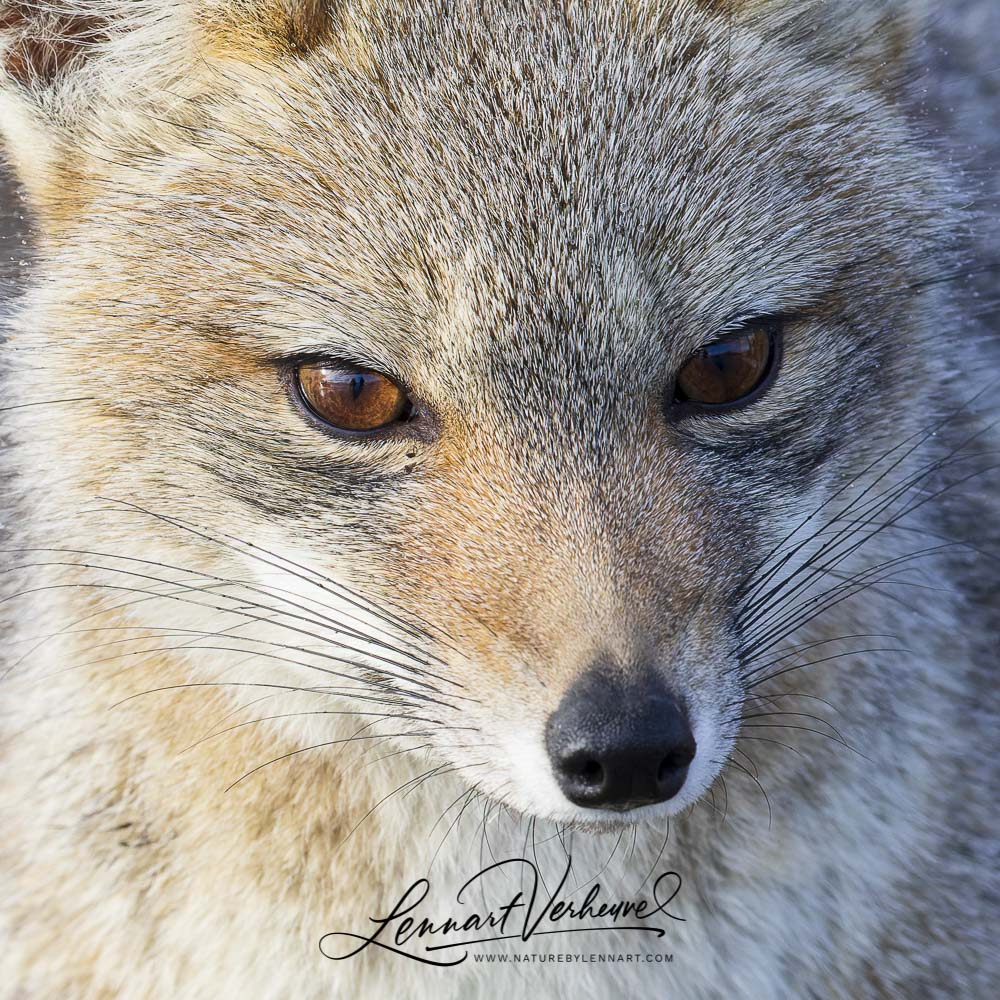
(39, 42)
(76, 76)
(40, 45)
(872, 39)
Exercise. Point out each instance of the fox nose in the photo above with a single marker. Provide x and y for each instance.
(617, 743)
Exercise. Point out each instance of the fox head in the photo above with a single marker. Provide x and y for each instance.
(489, 355)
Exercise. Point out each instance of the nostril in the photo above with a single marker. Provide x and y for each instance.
(673, 762)
(584, 770)
(591, 772)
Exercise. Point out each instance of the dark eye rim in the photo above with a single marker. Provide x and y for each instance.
(680, 409)
(415, 422)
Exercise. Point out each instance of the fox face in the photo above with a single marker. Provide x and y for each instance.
(498, 368)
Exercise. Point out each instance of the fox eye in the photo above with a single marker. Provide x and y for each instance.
(731, 371)
(351, 399)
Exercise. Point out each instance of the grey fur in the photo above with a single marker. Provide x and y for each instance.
(880, 877)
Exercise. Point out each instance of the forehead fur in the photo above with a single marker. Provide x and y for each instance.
(444, 189)
(587, 130)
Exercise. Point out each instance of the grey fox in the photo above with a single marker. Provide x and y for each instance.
(447, 435)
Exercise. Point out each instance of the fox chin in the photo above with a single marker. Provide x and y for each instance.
(473, 471)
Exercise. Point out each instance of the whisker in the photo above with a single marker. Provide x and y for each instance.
(244, 605)
(749, 760)
(324, 582)
(806, 729)
(385, 798)
(739, 767)
(921, 437)
(757, 681)
(795, 715)
(324, 690)
(765, 739)
(318, 746)
(295, 715)
(656, 860)
(813, 570)
(249, 616)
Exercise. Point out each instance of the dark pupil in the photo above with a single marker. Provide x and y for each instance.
(358, 383)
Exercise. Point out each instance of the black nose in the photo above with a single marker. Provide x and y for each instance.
(618, 742)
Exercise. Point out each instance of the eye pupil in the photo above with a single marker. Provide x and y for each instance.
(729, 370)
(349, 399)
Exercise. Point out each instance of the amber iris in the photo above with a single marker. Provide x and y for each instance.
(352, 399)
(727, 370)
